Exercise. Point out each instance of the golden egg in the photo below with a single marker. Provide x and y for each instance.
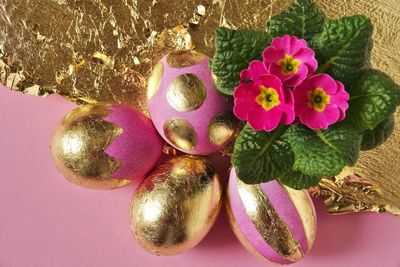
(176, 205)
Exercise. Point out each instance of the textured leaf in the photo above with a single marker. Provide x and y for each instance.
(343, 48)
(298, 180)
(234, 51)
(324, 153)
(261, 156)
(377, 136)
(373, 98)
(303, 19)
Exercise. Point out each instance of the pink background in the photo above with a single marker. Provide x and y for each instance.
(46, 221)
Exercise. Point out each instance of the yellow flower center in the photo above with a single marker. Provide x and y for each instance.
(318, 99)
(289, 65)
(268, 98)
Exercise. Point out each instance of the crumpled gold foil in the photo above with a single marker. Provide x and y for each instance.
(104, 50)
(352, 194)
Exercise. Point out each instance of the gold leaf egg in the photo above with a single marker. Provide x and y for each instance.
(176, 206)
(78, 148)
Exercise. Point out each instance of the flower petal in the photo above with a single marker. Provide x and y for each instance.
(340, 100)
(325, 81)
(256, 119)
(244, 75)
(244, 95)
(296, 44)
(307, 56)
(320, 120)
(256, 69)
(272, 55)
(264, 120)
(288, 115)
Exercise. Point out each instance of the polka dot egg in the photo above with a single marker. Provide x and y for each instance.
(185, 106)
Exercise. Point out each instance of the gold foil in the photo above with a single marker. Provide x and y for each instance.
(186, 92)
(352, 194)
(184, 58)
(180, 133)
(155, 80)
(221, 128)
(176, 206)
(78, 148)
(268, 222)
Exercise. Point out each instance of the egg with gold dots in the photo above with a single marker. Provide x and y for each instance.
(185, 106)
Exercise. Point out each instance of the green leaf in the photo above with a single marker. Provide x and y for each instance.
(377, 136)
(303, 19)
(324, 153)
(234, 52)
(298, 180)
(261, 156)
(373, 98)
(343, 48)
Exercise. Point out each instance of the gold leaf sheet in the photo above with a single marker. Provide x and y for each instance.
(103, 50)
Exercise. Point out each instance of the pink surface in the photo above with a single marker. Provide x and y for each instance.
(161, 111)
(138, 148)
(46, 221)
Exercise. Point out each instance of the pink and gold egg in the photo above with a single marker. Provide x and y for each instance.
(105, 146)
(273, 222)
(185, 106)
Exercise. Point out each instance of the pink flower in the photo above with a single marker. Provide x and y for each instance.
(320, 101)
(290, 59)
(264, 102)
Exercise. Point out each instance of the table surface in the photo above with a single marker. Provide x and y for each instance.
(46, 221)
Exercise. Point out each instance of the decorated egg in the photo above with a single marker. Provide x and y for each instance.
(105, 146)
(185, 106)
(176, 205)
(273, 222)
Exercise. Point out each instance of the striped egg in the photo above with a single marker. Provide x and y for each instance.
(273, 222)
(185, 106)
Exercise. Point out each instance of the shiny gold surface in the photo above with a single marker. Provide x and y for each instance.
(184, 58)
(221, 128)
(186, 92)
(180, 133)
(155, 80)
(176, 206)
(304, 207)
(268, 222)
(78, 148)
(351, 193)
